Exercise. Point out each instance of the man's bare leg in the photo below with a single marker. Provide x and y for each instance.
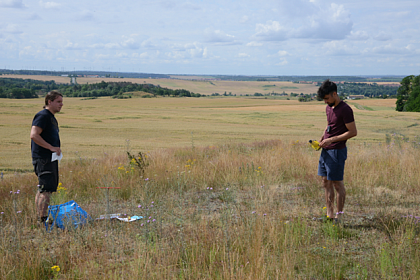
(329, 196)
(42, 200)
(341, 197)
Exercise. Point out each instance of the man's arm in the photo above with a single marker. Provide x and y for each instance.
(36, 137)
(352, 131)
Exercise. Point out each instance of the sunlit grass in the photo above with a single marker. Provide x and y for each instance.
(231, 211)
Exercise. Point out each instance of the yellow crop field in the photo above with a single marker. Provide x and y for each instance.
(89, 128)
(196, 86)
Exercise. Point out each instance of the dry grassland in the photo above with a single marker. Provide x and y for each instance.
(233, 186)
(235, 211)
(89, 128)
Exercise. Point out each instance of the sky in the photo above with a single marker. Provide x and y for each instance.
(232, 37)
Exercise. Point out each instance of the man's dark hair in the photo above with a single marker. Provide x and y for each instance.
(52, 95)
(327, 87)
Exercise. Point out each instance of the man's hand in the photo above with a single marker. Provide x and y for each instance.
(326, 142)
(56, 150)
(352, 131)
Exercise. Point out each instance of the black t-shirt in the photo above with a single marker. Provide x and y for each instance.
(45, 120)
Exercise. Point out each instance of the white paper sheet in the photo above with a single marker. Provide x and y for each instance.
(117, 216)
(54, 157)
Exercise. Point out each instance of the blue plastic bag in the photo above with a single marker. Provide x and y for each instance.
(66, 215)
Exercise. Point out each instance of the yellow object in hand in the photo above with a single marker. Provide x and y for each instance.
(314, 144)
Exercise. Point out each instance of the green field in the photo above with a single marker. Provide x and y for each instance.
(89, 128)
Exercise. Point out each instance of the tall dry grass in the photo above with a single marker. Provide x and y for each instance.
(235, 211)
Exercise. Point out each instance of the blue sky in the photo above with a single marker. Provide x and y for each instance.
(247, 37)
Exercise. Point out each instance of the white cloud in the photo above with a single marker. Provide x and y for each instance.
(382, 36)
(244, 19)
(195, 50)
(254, 44)
(101, 56)
(338, 48)
(12, 28)
(332, 23)
(271, 31)
(325, 36)
(122, 55)
(112, 46)
(413, 49)
(283, 53)
(218, 36)
(282, 62)
(188, 51)
(85, 16)
(72, 46)
(358, 35)
(26, 51)
(17, 4)
(144, 55)
(49, 5)
(148, 44)
(130, 43)
(191, 6)
(33, 16)
(388, 50)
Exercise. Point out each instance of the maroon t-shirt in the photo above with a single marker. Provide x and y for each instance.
(337, 118)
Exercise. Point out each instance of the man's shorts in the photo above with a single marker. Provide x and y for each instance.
(47, 173)
(331, 164)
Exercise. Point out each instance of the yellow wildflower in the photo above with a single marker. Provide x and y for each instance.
(55, 268)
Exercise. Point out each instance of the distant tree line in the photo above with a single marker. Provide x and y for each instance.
(24, 88)
(367, 90)
(20, 88)
(408, 97)
(224, 94)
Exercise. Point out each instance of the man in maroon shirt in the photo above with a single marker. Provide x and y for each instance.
(341, 126)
